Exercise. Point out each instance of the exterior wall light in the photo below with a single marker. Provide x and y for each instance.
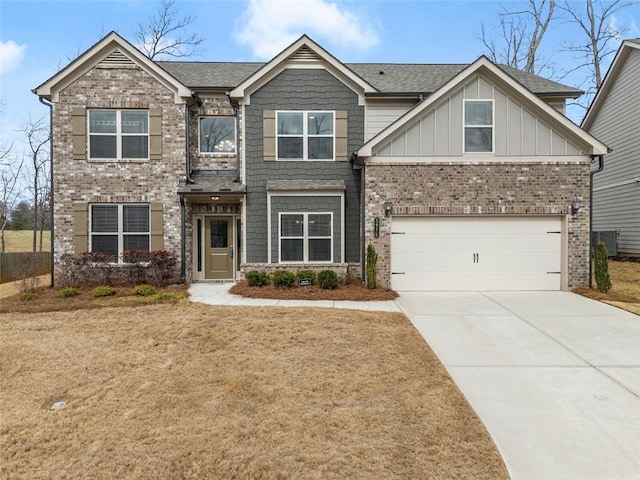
(576, 206)
(387, 208)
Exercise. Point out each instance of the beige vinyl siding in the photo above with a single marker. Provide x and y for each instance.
(616, 206)
(379, 115)
(439, 132)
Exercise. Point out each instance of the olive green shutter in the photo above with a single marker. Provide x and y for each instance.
(157, 227)
(341, 136)
(155, 133)
(79, 133)
(80, 224)
(269, 134)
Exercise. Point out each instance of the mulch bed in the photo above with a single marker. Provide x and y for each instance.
(354, 291)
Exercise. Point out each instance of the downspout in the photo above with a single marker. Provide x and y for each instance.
(600, 168)
(195, 99)
(236, 107)
(50, 105)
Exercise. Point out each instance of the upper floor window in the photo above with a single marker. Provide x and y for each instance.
(305, 135)
(118, 134)
(115, 228)
(478, 125)
(218, 135)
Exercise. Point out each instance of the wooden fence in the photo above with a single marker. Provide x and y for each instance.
(17, 265)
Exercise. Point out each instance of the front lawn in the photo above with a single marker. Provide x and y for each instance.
(193, 391)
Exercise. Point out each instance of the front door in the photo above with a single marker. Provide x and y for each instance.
(219, 248)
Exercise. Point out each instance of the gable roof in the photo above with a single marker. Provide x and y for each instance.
(304, 52)
(112, 48)
(484, 66)
(610, 78)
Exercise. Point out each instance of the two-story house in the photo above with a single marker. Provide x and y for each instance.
(461, 176)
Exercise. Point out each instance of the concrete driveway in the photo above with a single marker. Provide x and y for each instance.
(554, 376)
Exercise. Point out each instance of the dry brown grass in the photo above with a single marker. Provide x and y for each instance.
(195, 391)
(22, 240)
(625, 292)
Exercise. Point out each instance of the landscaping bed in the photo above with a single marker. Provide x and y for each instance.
(352, 291)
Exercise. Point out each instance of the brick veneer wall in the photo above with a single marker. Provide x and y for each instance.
(480, 189)
(80, 181)
(213, 106)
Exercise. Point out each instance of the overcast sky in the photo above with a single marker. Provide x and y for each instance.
(39, 37)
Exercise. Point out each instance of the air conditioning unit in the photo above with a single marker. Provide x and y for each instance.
(609, 238)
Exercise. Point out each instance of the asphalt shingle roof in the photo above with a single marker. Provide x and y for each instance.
(396, 78)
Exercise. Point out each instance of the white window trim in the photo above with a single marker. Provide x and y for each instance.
(235, 134)
(120, 233)
(492, 126)
(305, 238)
(118, 134)
(305, 136)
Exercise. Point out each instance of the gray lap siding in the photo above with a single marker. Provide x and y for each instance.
(297, 89)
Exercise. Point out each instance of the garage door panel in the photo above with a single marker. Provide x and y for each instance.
(482, 253)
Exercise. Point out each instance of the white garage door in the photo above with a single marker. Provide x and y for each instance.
(481, 253)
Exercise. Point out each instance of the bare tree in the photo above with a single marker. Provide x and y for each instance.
(599, 38)
(37, 135)
(520, 35)
(10, 170)
(164, 34)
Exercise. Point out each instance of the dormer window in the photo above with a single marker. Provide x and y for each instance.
(478, 126)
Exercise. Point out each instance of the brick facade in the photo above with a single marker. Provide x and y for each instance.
(462, 189)
(83, 181)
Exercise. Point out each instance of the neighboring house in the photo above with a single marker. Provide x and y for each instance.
(461, 176)
(614, 118)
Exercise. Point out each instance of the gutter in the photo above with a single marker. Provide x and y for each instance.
(50, 105)
(591, 174)
(195, 99)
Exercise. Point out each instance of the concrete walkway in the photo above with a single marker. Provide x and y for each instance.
(554, 376)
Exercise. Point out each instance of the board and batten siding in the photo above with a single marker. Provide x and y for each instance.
(439, 132)
(616, 195)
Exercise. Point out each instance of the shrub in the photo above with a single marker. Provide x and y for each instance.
(256, 278)
(165, 297)
(601, 265)
(67, 292)
(103, 291)
(328, 279)
(144, 291)
(162, 267)
(372, 267)
(28, 296)
(283, 279)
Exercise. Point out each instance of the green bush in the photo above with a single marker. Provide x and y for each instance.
(372, 267)
(283, 279)
(256, 278)
(307, 275)
(28, 296)
(328, 279)
(601, 266)
(67, 292)
(144, 290)
(165, 297)
(103, 291)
